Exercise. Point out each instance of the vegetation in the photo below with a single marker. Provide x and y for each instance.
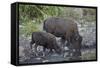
(31, 16)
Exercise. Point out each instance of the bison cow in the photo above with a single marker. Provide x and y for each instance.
(66, 29)
(47, 40)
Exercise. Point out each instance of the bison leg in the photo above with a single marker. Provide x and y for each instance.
(44, 50)
(70, 51)
(36, 52)
(50, 52)
(31, 43)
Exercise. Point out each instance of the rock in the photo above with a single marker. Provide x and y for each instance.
(88, 32)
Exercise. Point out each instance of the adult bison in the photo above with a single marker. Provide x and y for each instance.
(47, 40)
(66, 29)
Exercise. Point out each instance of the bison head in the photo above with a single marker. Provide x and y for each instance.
(76, 45)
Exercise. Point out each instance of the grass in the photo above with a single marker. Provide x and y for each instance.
(89, 55)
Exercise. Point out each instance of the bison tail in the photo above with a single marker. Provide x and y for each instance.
(44, 26)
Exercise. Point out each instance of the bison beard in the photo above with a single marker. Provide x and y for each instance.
(46, 40)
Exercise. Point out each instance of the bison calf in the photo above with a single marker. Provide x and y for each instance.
(46, 40)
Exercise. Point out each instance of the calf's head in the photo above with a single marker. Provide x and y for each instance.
(58, 48)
